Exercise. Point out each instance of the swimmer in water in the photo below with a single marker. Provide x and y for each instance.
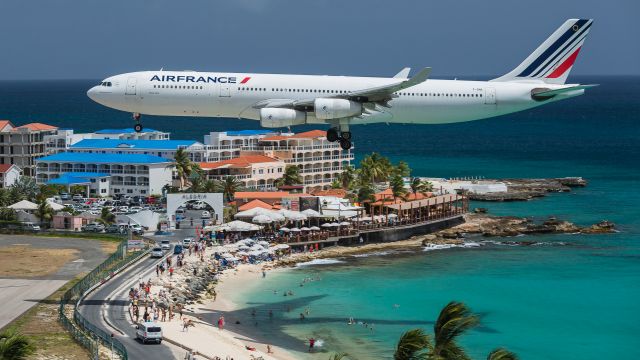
(396, 306)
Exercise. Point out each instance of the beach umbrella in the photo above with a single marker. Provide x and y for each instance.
(295, 229)
(334, 224)
(305, 229)
(326, 225)
(292, 215)
(314, 228)
(263, 243)
(284, 229)
(391, 216)
(238, 225)
(262, 219)
(345, 223)
(366, 218)
(281, 246)
(311, 213)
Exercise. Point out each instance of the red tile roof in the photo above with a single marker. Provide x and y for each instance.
(239, 162)
(254, 204)
(4, 123)
(304, 135)
(37, 127)
(5, 167)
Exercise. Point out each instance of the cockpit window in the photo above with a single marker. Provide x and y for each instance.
(106, 83)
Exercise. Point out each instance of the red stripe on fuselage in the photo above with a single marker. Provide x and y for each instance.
(244, 81)
(565, 65)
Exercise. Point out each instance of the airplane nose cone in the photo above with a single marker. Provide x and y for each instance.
(91, 93)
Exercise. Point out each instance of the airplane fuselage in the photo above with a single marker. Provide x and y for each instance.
(235, 95)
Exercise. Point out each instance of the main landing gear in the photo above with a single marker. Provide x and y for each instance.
(138, 126)
(344, 137)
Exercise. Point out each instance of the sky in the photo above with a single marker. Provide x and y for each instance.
(93, 39)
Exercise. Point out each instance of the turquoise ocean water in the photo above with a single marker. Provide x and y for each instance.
(569, 297)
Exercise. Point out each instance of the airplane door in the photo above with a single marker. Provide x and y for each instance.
(490, 96)
(224, 90)
(131, 86)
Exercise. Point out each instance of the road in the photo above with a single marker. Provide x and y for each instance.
(112, 299)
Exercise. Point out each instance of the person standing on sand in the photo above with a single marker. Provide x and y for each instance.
(269, 351)
(221, 323)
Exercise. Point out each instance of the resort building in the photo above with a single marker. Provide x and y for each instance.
(162, 148)
(9, 174)
(131, 174)
(255, 172)
(21, 145)
(62, 139)
(228, 144)
(320, 161)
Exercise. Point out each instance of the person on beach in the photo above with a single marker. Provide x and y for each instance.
(171, 271)
(221, 323)
(264, 274)
(312, 342)
(269, 351)
(185, 325)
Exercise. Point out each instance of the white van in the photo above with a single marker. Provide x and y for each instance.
(149, 331)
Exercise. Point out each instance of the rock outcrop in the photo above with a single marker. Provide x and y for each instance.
(527, 189)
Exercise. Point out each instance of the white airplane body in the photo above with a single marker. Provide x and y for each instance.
(279, 100)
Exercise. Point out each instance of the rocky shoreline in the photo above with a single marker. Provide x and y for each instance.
(527, 189)
(501, 226)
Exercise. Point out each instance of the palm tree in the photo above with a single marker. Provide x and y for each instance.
(396, 184)
(455, 319)
(338, 356)
(8, 214)
(291, 176)
(14, 346)
(106, 217)
(210, 186)
(336, 184)
(413, 345)
(417, 185)
(403, 169)
(229, 186)
(502, 354)
(348, 177)
(375, 168)
(24, 188)
(366, 193)
(183, 165)
(44, 212)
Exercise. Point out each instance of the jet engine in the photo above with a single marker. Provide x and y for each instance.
(336, 108)
(279, 117)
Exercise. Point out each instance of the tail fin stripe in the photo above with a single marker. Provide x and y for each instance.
(551, 49)
(562, 59)
(565, 65)
(581, 35)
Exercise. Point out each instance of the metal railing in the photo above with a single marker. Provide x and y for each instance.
(81, 329)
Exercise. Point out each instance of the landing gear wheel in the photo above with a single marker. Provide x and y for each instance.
(332, 135)
(137, 127)
(346, 135)
(345, 144)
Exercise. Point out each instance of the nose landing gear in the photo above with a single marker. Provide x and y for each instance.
(344, 137)
(138, 126)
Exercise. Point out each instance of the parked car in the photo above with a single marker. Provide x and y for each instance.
(65, 196)
(177, 249)
(186, 242)
(114, 229)
(199, 205)
(205, 215)
(157, 252)
(29, 226)
(149, 331)
(93, 227)
(135, 209)
(78, 197)
(165, 244)
(136, 229)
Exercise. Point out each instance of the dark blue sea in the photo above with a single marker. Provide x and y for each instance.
(571, 297)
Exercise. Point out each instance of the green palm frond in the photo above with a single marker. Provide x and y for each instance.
(454, 320)
(14, 346)
(413, 345)
(502, 354)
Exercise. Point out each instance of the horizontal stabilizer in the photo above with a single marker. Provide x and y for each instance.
(403, 74)
(545, 93)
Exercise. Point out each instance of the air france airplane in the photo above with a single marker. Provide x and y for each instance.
(340, 101)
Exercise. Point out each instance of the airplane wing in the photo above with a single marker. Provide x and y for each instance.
(380, 95)
(403, 74)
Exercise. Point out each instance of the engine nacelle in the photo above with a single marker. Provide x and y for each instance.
(278, 117)
(336, 108)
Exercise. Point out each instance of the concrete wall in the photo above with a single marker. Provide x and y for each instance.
(403, 232)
